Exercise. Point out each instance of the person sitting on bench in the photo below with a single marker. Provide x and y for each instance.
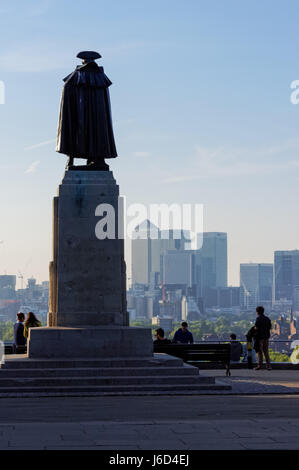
(182, 335)
(19, 339)
(160, 337)
(236, 349)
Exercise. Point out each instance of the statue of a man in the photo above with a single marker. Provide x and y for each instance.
(85, 122)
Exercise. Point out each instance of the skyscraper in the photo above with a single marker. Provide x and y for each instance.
(286, 277)
(149, 243)
(256, 281)
(211, 261)
(145, 252)
(178, 268)
(7, 287)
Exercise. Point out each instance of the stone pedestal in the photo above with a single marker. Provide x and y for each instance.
(97, 342)
(87, 308)
(87, 275)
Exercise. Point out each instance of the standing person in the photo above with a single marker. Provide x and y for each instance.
(236, 349)
(31, 322)
(182, 335)
(19, 339)
(263, 328)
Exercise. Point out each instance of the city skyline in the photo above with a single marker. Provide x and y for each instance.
(200, 117)
(20, 276)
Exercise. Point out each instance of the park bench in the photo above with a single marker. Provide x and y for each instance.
(194, 354)
(9, 349)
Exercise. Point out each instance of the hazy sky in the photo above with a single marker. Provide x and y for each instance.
(201, 109)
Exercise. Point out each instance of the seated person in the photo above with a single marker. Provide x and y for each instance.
(159, 333)
(236, 350)
(31, 322)
(19, 339)
(182, 335)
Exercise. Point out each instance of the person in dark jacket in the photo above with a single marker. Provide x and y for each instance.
(19, 339)
(182, 335)
(160, 337)
(263, 328)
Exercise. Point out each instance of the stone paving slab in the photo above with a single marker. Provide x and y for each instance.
(141, 410)
(156, 423)
(166, 437)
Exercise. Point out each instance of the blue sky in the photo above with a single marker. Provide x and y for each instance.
(201, 109)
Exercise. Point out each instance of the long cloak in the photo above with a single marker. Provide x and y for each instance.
(85, 122)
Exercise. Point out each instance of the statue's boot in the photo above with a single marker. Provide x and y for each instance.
(99, 165)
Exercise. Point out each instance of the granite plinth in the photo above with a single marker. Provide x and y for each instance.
(87, 274)
(96, 342)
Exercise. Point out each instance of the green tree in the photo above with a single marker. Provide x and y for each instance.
(6, 331)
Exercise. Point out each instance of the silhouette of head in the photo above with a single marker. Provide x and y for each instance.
(260, 310)
(21, 316)
(160, 333)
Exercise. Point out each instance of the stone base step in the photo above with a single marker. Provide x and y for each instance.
(123, 390)
(160, 374)
(22, 362)
(115, 381)
(98, 372)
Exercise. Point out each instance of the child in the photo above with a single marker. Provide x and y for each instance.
(251, 349)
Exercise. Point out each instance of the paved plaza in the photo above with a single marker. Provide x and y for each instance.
(244, 381)
(258, 420)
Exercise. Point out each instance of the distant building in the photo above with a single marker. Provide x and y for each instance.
(178, 268)
(171, 309)
(163, 322)
(256, 281)
(7, 287)
(160, 260)
(149, 243)
(144, 258)
(193, 312)
(9, 304)
(212, 259)
(184, 308)
(286, 274)
(295, 300)
(221, 297)
(35, 298)
(228, 297)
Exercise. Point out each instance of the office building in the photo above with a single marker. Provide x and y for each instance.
(256, 283)
(211, 261)
(286, 274)
(149, 243)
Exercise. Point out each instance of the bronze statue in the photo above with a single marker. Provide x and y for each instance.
(85, 122)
